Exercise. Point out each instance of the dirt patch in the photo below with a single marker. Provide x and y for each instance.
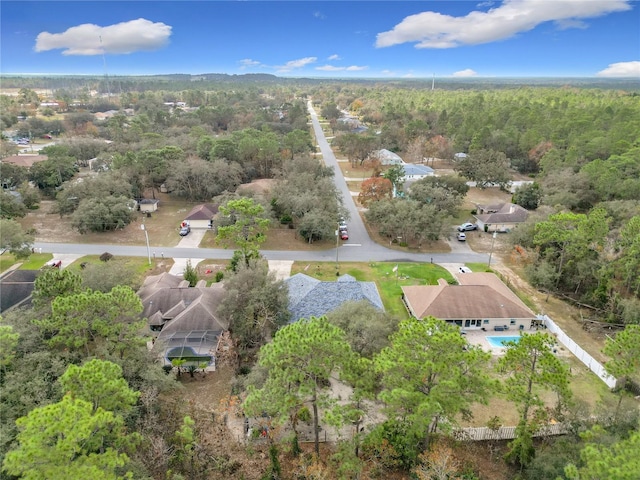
(209, 398)
(258, 187)
(479, 196)
(162, 226)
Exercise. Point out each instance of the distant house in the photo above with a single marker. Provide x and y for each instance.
(101, 116)
(480, 302)
(24, 160)
(310, 297)
(183, 320)
(148, 205)
(387, 157)
(416, 171)
(201, 216)
(500, 217)
(350, 121)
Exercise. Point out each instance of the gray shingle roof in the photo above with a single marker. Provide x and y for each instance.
(311, 297)
(169, 301)
(502, 213)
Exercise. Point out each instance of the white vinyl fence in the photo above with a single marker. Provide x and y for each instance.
(593, 365)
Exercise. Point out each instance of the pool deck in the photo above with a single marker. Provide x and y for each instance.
(478, 337)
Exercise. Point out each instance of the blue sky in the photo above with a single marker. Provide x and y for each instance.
(338, 39)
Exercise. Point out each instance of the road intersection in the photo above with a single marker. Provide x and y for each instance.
(360, 247)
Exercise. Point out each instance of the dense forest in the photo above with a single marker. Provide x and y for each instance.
(97, 405)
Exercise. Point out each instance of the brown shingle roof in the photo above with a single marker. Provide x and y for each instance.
(202, 212)
(502, 213)
(480, 295)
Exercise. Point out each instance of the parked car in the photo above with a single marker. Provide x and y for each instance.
(461, 237)
(344, 235)
(185, 231)
(464, 270)
(465, 227)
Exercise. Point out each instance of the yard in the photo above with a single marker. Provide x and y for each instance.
(162, 226)
(387, 280)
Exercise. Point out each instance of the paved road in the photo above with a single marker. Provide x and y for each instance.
(346, 253)
(357, 232)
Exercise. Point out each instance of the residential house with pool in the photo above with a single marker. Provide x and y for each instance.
(480, 301)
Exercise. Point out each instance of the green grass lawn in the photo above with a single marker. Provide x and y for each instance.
(389, 283)
(35, 261)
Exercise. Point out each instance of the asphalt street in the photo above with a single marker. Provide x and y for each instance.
(345, 253)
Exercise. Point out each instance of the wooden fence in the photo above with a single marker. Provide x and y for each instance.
(504, 433)
(474, 434)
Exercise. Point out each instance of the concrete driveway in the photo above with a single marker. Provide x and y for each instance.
(188, 241)
(193, 239)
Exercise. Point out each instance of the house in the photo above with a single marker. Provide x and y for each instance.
(183, 320)
(24, 160)
(416, 171)
(387, 157)
(310, 297)
(500, 217)
(148, 205)
(201, 216)
(479, 302)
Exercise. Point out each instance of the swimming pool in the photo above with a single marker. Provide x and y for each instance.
(498, 342)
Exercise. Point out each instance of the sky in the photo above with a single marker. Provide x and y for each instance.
(330, 39)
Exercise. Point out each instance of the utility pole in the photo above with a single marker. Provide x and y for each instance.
(146, 235)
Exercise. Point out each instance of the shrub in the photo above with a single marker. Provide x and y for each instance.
(106, 256)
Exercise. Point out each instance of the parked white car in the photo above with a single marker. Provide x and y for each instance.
(465, 227)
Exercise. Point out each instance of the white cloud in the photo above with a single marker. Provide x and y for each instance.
(434, 30)
(90, 39)
(247, 63)
(465, 73)
(329, 68)
(621, 69)
(334, 57)
(333, 68)
(299, 63)
(319, 15)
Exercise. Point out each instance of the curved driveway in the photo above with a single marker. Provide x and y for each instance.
(359, 248)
